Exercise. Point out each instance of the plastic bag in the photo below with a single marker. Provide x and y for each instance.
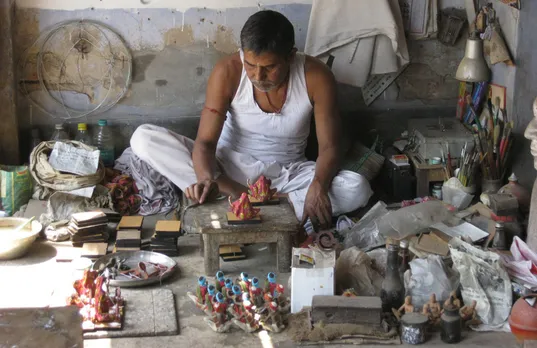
(354, 270)
(16, 187)
(410, 220)
(365, 233)
(428, 276)
(453, 193)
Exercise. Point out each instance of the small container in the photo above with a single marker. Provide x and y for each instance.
(437, 191)
(414, 328)
(522, 195)
(491, 186)
(500, 242)
(79, 265)
(435, 160)
(451, 323)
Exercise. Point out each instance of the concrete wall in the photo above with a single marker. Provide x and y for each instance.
(526, 90)
(175, 44)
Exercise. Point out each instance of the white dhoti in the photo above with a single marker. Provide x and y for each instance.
(171, 154)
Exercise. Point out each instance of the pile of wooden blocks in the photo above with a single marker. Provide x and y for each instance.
(129, 233)
(164, 239)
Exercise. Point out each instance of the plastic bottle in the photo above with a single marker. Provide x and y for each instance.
(82, 135)
(60, 133)
(104, 141)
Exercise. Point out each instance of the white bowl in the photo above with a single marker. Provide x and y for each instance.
(13, 245)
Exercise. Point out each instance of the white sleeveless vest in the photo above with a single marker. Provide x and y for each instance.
(270, 137)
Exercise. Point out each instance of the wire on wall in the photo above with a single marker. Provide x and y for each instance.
(74, 59)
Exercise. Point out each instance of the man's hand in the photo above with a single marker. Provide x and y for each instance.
(201, 191)
(317, 206)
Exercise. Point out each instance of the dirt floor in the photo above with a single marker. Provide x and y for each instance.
(37, 280)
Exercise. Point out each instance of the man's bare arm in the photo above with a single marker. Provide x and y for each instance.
(327, 122)
(322, 90)
(218, 98)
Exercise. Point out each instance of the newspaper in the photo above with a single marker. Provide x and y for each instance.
(82, 192)
(483, 279)
(67, 158)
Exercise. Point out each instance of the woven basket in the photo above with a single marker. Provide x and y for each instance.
(46, 176)
(364, 161)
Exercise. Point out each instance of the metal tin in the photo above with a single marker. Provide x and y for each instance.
(413, 328)
(437, 191)
(451, 325)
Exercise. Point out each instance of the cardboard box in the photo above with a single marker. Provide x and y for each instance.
(308, 280)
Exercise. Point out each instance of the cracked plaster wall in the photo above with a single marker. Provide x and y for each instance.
(174, 51)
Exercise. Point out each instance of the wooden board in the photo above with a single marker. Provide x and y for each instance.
(230, 249)
(231, 253)
(233, 220)
(130, 222)
(497, 91)
(94, 249)
(233, 258)
(168, 226)
(129, 235)
(256, 202)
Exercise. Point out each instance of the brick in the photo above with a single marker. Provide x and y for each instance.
(346, 310)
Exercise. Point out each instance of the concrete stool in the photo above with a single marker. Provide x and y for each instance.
(278, 224)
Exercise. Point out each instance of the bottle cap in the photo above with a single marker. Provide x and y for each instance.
(82, 126)
(58, 126)
(403, 244)
(513, 178)
(102, 123)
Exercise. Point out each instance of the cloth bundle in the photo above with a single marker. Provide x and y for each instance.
(157, 193)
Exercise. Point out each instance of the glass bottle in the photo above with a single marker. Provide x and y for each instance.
(404, 259)
(104, 141)
(82, 135)
(499, 242)
(60, 133)
(392, 293)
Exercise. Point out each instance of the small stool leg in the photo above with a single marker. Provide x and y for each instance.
(284, 252)
(202, 245)
(211, 257)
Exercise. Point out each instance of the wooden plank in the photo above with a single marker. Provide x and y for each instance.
(9, 131)
(234, 220)
(129, 222)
